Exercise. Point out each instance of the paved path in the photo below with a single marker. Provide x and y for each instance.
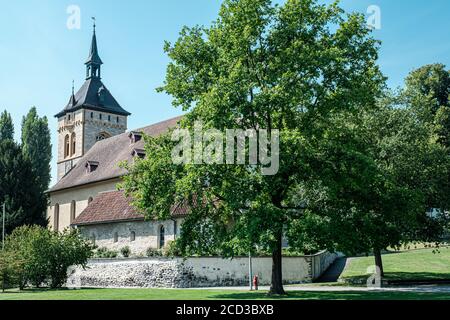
(334, 271)
(434, 288)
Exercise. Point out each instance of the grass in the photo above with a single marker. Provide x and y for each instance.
(182, 294)
(420, 264)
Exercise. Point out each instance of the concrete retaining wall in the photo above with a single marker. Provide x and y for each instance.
(195, 272)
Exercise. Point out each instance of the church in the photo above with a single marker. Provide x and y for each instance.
(92, 141)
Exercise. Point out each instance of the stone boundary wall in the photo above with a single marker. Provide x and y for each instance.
(195, 271)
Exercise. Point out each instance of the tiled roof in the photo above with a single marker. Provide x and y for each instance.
(109, 153)
(113, 206)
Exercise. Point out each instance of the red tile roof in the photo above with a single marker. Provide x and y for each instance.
(113, 206)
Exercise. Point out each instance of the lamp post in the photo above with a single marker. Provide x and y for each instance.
(250, 271)
(3, 226)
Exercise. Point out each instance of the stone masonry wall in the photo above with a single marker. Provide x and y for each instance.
(190, 272)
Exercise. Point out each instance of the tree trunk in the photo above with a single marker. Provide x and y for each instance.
(277, 275)
(378, 261)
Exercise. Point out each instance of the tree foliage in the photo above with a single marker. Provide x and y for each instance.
(6, 126)
(37, 147)
(293, 68)
(18, 188)
(47, 255)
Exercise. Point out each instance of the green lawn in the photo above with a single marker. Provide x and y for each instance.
(420, 264)
(180, 294)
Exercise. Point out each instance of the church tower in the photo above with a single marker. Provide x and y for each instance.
(92, 114)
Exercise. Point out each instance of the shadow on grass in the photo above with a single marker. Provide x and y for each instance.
(403, 276)
(343, 295)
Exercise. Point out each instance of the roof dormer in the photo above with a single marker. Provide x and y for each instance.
(138, 153)
(91, 166)
(135, 136)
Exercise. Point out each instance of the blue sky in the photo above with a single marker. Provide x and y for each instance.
(39, 55)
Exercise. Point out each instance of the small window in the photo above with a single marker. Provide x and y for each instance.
(117, 119)
(73, 209)
(109, 118)
(56, 218)
(162, 235)
(116, 237)
(92, 115)
(100, 116)
(93, 239)
(68, 117)
(132, 236)
(90, 200)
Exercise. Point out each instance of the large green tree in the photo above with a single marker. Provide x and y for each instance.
(383, 170)
(293, 68)
(6, 126)
(37, 147)
(427, 93)
(19, 189)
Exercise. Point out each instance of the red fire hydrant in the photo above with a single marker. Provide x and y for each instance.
(255, 282)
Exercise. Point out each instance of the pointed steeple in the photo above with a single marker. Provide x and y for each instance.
(72, 101)
(93, 62)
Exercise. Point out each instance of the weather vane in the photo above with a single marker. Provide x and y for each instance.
(93, 19)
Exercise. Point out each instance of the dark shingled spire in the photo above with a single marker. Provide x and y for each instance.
(93, 95)
(94, 58)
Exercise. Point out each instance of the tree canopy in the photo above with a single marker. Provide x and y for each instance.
(293, 68)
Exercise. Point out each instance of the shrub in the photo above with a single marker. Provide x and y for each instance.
(47, 255)
(151, 252)
(125, 251)
(105, 253)
(11, 266)
(172, 250)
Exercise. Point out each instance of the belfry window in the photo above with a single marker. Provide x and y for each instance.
(73, 144)
(66, 146)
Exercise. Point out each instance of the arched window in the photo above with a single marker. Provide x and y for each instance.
(132, 236)
(73, 209)
(102, 136)
(162, 236)
(66, 146)
(116, 237)
(90, 200)
(56, 218)
(73, 143)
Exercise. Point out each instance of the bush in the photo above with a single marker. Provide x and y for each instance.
(172, 250)
(105, 253)
(11, 266)
(151, 252)
(125, 251)
(47, 255)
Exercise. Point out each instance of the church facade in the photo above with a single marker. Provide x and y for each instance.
(92, 141)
